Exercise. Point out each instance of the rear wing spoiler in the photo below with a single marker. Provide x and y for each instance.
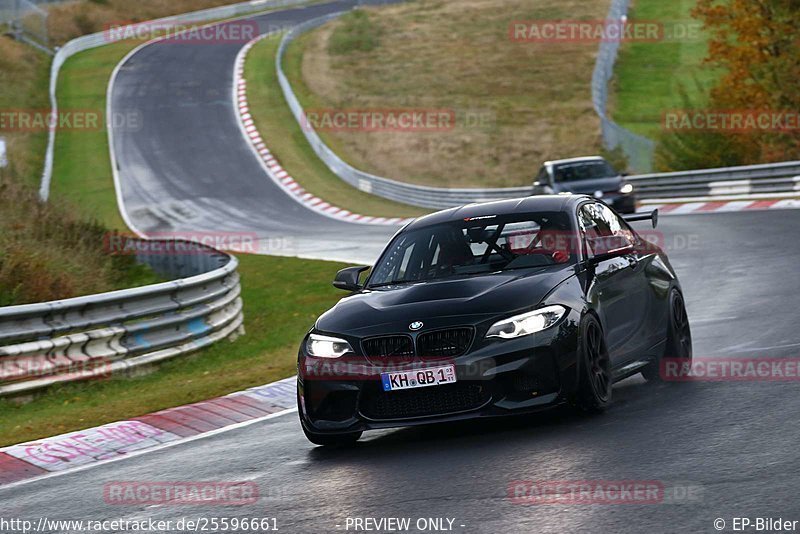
(652, 216)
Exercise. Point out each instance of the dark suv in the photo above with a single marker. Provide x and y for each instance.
(590, 176)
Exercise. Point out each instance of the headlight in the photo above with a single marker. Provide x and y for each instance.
(327, 347)
(625, 189)
(527, 323)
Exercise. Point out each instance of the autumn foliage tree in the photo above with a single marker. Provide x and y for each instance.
(756, 45)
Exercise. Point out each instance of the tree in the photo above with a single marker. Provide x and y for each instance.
(757, 44)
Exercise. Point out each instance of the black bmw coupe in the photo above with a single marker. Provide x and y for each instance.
(488, 310)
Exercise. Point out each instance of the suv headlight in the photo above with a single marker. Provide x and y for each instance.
(626, 189)
(321, 346)
(527, 323)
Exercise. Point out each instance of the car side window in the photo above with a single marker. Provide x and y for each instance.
(542, 177)
(597, 220)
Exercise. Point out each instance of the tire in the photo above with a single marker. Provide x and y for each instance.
(594, 369)
(332, 440)
(679, 338)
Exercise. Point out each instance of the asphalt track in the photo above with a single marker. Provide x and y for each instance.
(732, 445)
(183, 164)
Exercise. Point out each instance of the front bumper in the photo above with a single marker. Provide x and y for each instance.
(495, 378)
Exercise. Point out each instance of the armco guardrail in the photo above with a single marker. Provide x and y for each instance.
(638, 149)
(87, 42)
(93, 336)
(745, 180)
(771, 178)
(416, 195)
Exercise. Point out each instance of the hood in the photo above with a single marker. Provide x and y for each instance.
(588, 187)
(440, 303)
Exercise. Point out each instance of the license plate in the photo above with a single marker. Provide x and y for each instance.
(419, 378)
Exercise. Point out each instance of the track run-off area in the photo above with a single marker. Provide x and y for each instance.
(722, 449)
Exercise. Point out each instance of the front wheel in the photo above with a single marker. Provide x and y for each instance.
(594, 368)
(679, 338)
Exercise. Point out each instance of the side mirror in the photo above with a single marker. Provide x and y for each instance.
(347, 279)
(607, 247)
(652, 216)
(625, 174)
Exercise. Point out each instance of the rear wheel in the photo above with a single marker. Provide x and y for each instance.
(679, 338)
(595, 381)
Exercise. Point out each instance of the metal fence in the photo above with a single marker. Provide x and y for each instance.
(26, 20)
(95, 336)
(638, 149)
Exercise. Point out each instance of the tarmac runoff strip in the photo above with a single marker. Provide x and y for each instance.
(113, 441)
(85, 448)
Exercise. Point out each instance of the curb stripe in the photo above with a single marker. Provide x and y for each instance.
(276, 172)
(720, 206)
(168, 425)
(13, 469)
(85, 448)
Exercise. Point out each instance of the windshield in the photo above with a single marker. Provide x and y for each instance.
(584, 170)
(472, 247)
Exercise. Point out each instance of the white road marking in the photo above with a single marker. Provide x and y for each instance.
(161, 447)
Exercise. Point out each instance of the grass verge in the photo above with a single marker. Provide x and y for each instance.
(286, 141)
(82, 168)
(514, 104)
(651, 76)
(47, 251)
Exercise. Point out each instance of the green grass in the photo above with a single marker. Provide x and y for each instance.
(282, 296)
(649, 76)
(47, 251)
(514, 104)
(356, 35)
(286, 141)
(24, 78)
(82, 168)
